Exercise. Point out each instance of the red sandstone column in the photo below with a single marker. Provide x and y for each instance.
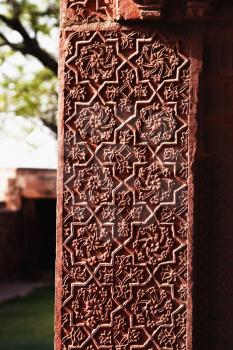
(125, 184)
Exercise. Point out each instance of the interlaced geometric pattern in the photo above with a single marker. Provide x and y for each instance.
(125, 212)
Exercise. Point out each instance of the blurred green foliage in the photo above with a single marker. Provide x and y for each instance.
(27, 323)
(29, 88)
(31, 97)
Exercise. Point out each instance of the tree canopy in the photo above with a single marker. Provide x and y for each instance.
(28, 85)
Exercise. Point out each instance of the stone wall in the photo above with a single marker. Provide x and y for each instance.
(27, 222)
(11, 244)
(213, 239)
(125, 212)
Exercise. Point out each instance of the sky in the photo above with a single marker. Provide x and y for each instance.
(26, 143)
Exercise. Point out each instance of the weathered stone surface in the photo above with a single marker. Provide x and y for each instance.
(87, 11)
(165, 9)
(91, 11)
(21, 183)
(125, 190)
(37, 183)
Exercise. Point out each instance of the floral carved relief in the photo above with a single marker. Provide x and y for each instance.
(154, 244)
(156, 123)
(158, 61)
(94, 123)
(93, 184)
(153, 307)
(155, 184)
(126, 170)
(95, 61)
(88, 11)
(92, 244)
(91, 306)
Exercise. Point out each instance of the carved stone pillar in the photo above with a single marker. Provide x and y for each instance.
(125, 185)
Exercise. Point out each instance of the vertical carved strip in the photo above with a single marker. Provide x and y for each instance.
(127, 141)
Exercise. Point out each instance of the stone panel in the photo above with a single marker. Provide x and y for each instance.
(127, 140)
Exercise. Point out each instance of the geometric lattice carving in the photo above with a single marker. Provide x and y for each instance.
(124, 206)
